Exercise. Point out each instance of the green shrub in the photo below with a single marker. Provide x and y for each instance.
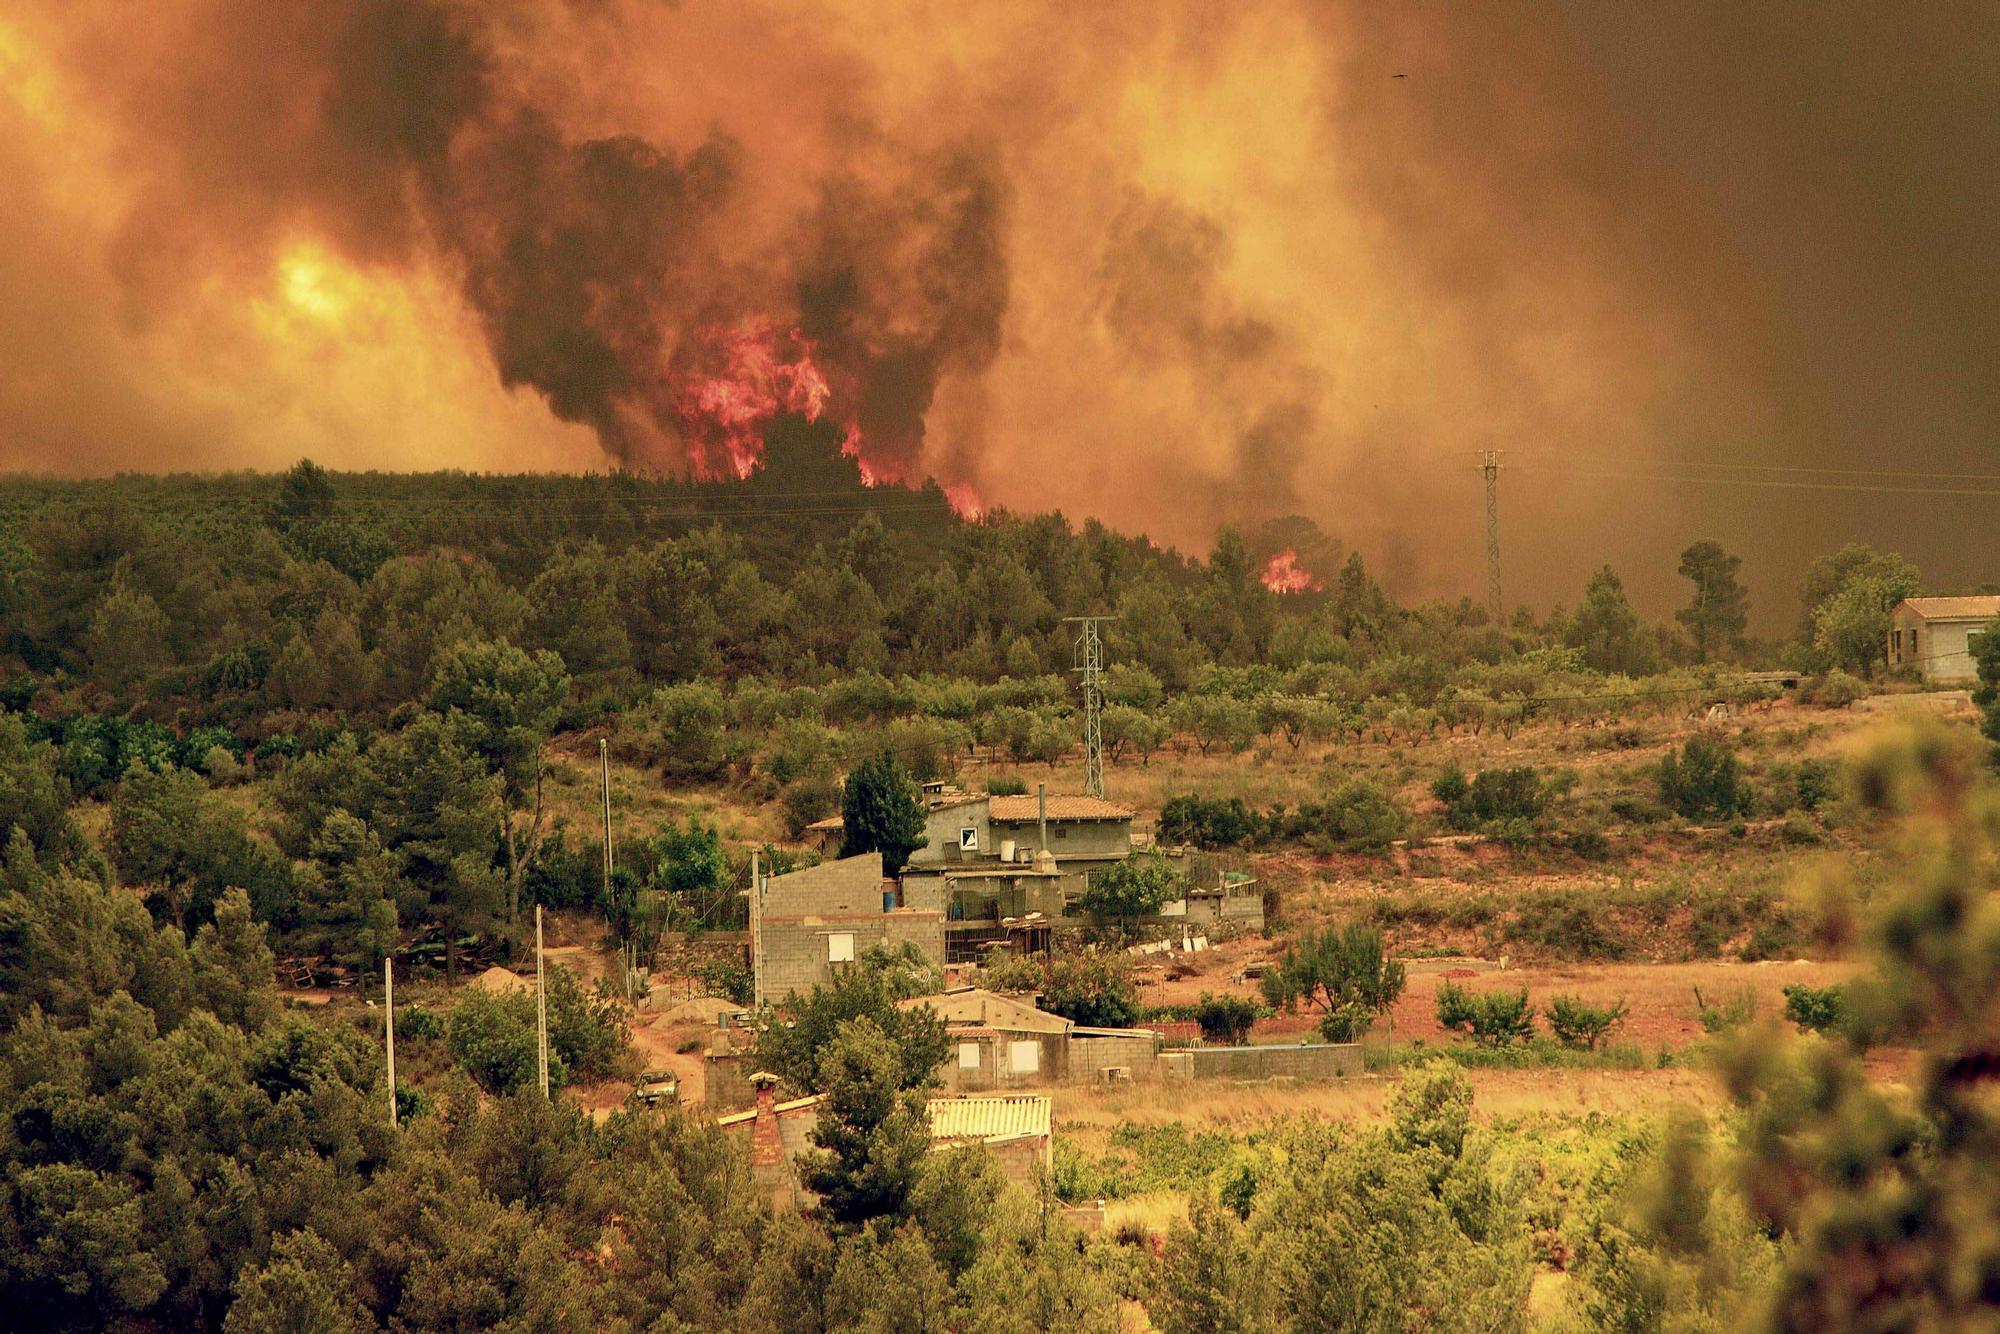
(808, 800)
(1094, 990)
(1834, 690)
(1815, 1009)
(1343, 971)
(725, 977)
(1702, 781)
(1006, 785)
(1357, 816)
(1569, 926)
(1225, 1019)
(1493, 797)
(492, 1035)
(588, 1032)
(418, 1022)
(1580, 1025)
(1728, 1016)
(1490, 1018)
(1775, 937)
(1208, 822)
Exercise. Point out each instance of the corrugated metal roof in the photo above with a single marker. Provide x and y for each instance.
(1015, 810)
(1981, 608)
(1010, 1117)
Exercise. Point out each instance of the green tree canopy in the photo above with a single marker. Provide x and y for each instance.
(1719, 611)
(872, 1135)
(880, 812)
(1343, 971)
(1606, 629)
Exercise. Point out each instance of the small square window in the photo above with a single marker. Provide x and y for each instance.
(1024, 1058)
(968, 839)
(968, 1055)
(1061, 832)
(840, 947)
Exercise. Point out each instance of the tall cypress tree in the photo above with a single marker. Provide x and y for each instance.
(879, 810)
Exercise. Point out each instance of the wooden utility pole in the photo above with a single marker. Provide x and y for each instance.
(541, 1009)
(389, 1028)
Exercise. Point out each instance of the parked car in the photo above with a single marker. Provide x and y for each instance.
(658, 1086)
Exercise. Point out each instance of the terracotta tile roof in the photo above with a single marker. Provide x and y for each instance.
(1982, 608)
(1026, 809)
(1015, 1116)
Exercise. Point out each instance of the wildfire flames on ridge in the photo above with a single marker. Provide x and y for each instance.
(739, 377)
(1283, 574)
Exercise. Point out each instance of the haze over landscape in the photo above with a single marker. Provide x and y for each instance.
(903, 667)
(1702, 270)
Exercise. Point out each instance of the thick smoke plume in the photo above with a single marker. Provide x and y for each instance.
(1172, 264)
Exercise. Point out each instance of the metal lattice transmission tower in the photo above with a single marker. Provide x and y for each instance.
(1489, 463)
(1090, 663)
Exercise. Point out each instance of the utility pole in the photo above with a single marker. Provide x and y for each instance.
(1489, 463)
(389, 1027)
(541, 1009)
(756, 931)
(1090, 663)
(604, 772)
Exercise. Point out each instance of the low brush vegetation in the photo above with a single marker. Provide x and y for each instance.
(1743, 914)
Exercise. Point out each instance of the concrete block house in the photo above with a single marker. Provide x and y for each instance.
(807, 924)
(1935, 636)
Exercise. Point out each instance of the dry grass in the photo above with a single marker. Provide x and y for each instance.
(1088, 1116)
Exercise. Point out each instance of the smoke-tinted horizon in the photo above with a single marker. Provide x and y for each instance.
(1703, 270)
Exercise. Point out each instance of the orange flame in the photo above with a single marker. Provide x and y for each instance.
(1284, 574)
(747, 374)
(734, 378)
(964, 501)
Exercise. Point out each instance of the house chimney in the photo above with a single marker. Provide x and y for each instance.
(766, 1148)
(768, 1167)
(1042, 812)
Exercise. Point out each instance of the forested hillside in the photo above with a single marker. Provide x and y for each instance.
(333, 720)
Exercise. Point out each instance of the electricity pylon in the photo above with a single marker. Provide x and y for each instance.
(1090, 662)
(1489, 463)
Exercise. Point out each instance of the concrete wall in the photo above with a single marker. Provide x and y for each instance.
(725, 1084)
(999, 1061)
(1070, 838)
(942, 826)
(985, 898)
(1939, 649)
(796, 948)
(850, 885)
(1137, 1052)
(1021, 1160)
(1247, 909)
(1313, 1061)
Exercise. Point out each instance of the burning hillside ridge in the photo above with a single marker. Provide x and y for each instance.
(732, 381)
(1283, 574)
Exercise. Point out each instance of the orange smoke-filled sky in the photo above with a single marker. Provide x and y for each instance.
(1169, 264)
